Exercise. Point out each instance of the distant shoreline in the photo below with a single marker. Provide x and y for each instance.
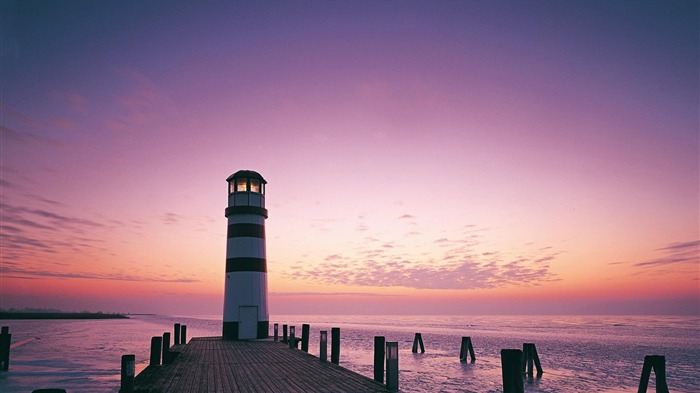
(60, 315)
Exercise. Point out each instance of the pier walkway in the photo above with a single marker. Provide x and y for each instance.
(210, 364)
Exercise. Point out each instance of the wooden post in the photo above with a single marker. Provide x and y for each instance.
(5, 340)
(156, 348)
(128, 373)
(418, 339)
(379, 345)
(176, 336)
(166, 348)
(183, 334)
(323, 347)
(276, 329)
(392, 366)
(292, 338)
(466, 348)
(305, 337)
(530, 356)
(658, 364)
(512, 370)
(284, 333)
(335, 345)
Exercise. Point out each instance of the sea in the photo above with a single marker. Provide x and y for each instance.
(577, 353)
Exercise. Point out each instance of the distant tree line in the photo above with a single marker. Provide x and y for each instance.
(44, 313)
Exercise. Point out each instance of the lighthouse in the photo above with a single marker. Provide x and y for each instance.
(245, 293)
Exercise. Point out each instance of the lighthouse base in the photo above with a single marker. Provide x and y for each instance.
(231, 330)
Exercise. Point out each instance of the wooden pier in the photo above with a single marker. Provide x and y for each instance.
(210, 364)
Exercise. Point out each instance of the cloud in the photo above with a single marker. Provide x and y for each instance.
(19, 214)
(455, 264)
(406, 216)
(35, 233)
(170, 218)
(675, 253)
(75, 101)
(11, 136)
(143, 103)
(365, 294)
(23, 273)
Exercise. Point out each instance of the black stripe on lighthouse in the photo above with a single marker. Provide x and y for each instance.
(246, 264)
(246, 230)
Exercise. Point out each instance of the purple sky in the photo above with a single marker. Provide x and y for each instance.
(421, 156)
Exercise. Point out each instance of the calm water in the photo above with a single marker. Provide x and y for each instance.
(591, 354)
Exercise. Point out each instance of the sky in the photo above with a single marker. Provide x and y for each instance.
(449, 157)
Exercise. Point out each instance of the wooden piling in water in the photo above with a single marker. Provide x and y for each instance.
(156, 348)
(276, 329)
(176, 335)
(530, 356)
(305, 337)
(128, 372)
(392, 366)
(379, 347)
(335, 345)
(511, 369)
(466, 348)
(418, 340)
(166, 348)
(183, 334)
(284, 334)
(323, 346)
(5, 340)
(658, 364)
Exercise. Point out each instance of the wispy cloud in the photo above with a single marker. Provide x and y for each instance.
(170, 218)
(455, 264)
(75, 101)
(11, 136)
(675, 253)
(142, 103)
(37, 232)
(7, 270)
(365, 294)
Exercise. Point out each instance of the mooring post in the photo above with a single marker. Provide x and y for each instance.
(392, 366)
(183, 334)
(379, 346)
(127, 373)
(305, 337)
(276, 329)
(284, 333)
(466, 349)
(335, 345)
(176, 336)
(5, 339)
(166, 348)
(323, 347)
(512, 370)
(529, 357)
(156, 348)
(658, 364)
(292, 337)
(418, 340)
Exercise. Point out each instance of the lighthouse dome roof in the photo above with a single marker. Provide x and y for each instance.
(246, 174)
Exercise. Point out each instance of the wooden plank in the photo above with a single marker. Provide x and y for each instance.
(210, 364)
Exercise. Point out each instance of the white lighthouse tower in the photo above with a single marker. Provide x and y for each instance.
(245, 295)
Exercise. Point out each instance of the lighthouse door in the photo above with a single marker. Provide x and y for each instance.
(249, 323)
